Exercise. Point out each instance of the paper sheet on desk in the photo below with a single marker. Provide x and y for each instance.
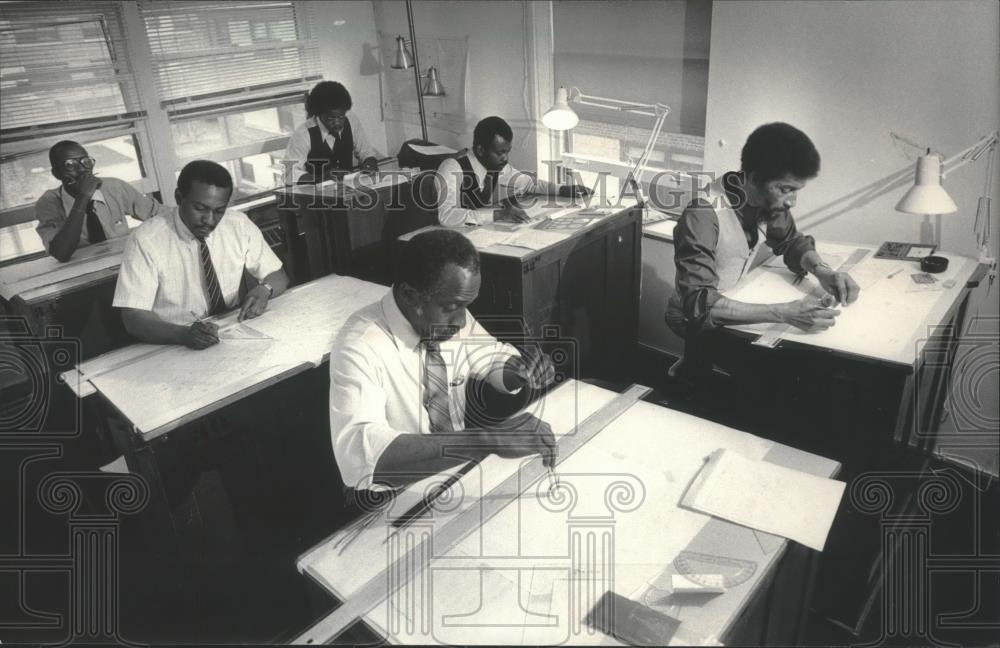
(766, 496)
(437, 149)
(150, 398)
(46, 271)
(483, 237)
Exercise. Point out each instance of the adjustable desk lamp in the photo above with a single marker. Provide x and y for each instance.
(561, 117)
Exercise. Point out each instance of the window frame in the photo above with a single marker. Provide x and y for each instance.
(36, 139)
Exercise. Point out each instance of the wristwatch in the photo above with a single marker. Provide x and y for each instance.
(270, 288)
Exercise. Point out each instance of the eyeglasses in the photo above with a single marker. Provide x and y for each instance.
(75, 164)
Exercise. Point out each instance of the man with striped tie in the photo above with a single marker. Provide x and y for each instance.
(188, 265)
(399, 370)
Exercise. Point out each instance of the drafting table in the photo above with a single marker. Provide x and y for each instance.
(895, 330)
(577, 283)
(20, 242)
(47, 292)
(332, 227)
(159, 404)
(529, 574)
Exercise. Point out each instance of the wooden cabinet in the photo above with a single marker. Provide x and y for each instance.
(584, 289)
(346, 232)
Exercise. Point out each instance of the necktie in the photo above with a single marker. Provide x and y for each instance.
(216, 304)
(95, 233)
(436, 400)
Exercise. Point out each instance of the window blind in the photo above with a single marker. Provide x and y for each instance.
(207, 52)
(63, 65)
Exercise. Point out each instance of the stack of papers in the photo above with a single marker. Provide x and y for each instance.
(767, 497)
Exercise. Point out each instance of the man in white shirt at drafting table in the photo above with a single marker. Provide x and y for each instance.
(469, 183)
(399, 369)
(181, 268)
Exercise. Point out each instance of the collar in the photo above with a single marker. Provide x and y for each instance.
(399, 326)
(183, 233)
(734, 184)
(477, 168)
(323, 132)
(68, 200)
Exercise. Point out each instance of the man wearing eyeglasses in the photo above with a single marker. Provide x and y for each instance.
(329, 141)
(86, 209)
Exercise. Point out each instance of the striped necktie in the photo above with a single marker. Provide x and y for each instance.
(436, 399)
(216, 304)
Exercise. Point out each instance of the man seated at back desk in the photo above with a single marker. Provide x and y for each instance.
(188, 265)
(469, 183)
(86, 209)
(328, 142)
(399, 369)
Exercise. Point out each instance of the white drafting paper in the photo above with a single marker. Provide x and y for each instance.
(766, 496)
(19, 278)
(536, 239)
(436, 149)
(484, 237)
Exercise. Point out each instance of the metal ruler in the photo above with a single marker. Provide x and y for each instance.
(774, 333)
(377, 588)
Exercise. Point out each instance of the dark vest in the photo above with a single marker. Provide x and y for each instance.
(471, 194)
(340, 158)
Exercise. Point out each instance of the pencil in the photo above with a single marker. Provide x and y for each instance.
(421, 507)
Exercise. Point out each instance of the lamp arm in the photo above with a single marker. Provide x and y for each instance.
(651, 109)
(640, 164)
(970, 154)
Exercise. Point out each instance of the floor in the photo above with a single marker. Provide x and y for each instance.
(257, 596)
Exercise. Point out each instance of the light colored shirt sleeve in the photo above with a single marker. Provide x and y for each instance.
(450, 210)
(362, 146)
(138, 279)
(260, 259)
(49, 212)
(520, 183)
(296, 153)
(143, 207)
(358, 424)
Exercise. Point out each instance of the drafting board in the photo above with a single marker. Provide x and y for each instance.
(158, 388)
(660, 447)
(19, 279)
(887, 322)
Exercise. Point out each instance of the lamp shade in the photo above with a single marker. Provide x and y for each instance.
(927, 196)
(433, 87)
(403, 60)
(560, 116)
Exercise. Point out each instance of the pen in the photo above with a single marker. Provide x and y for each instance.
(894, 273)
(423, 505)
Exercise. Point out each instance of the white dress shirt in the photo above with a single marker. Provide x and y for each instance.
(161, 265)
(376, 383)
(297, 149)
(510, 181)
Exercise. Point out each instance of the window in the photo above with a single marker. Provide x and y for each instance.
(64, 74)
(644, 52)
(25, 178)
(231, 77)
